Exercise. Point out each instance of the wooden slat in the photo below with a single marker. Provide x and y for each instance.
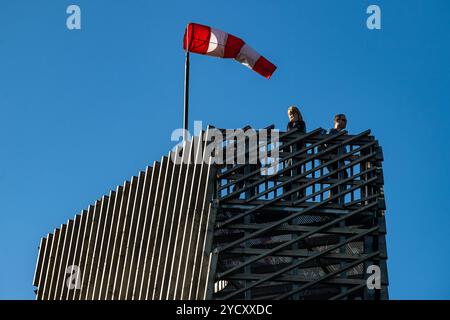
(115, 245)
(45, 262)
(97, 237)
(70, 256)
(129, 234)
(50, 265)
(177, 271)
(148, 241)
(107, 213)
(90, 254)
(168, 217)
(69, 294)
(173, 215)
(144, 242)
(203, 196)
(108, 244)
(158, 231)
(137, 235)
(84, 242)
(61, 273)
(57, 262)
(40, 258)
(123, 238)
(182, 203)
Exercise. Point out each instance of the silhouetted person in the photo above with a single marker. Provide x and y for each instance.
(295, 122)
(340, 123)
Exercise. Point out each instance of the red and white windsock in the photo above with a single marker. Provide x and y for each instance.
(212, 42)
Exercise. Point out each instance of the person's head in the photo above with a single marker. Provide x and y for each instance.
(294, 114)
(340, 121)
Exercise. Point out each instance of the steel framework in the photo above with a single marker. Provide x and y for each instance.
(309, 227)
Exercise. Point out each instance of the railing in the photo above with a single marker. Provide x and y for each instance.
(310, 229)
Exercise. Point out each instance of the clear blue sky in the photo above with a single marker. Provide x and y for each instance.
(81, 111)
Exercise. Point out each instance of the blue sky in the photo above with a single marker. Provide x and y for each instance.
(81, 111)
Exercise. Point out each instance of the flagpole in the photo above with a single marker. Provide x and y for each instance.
(186, 96)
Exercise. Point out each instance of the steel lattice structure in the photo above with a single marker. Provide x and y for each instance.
(308, 228)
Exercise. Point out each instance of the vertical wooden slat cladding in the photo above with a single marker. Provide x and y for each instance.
(105, 265)
(202, 197)
(44, 268)
(201, 227)
(123, 236)
(136, 235)
(116, 241)
(99, 266)
(204, 281)
(129, 233)
(61, 268)
(163, 229)
(172, 215)
(97, 236)
(67, 293)
(81, 261)
(86, 269)
(70, 257)
(39, 262)
(187, 154)
(129, 245)
(144, 242)
(152, 248)
(57, 264)
(51, 263)
(191, 218)
(157, 184)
